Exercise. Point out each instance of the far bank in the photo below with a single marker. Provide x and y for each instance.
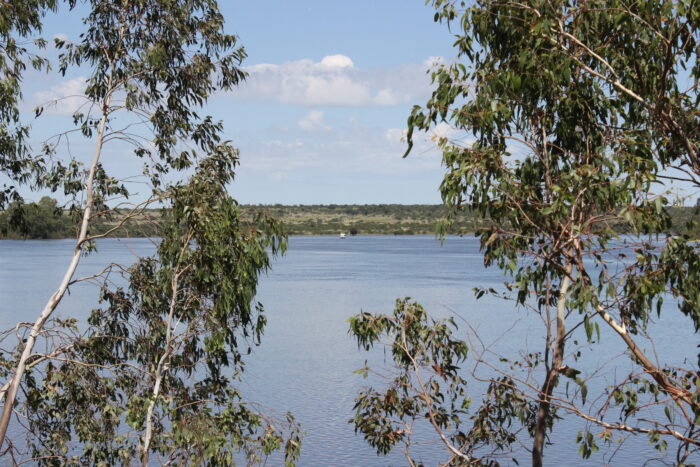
(48, 220)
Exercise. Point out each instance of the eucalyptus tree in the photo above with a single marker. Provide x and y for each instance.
(567, 118)
(160, 360)
(154, 372)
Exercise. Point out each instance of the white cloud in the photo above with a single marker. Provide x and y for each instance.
(64, 98)
(443, 130)
(335, 81)
(313, 121)
(337, 61)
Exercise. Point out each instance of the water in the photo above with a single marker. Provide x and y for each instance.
(305, 364)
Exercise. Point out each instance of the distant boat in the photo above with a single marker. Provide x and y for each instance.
(342, 235)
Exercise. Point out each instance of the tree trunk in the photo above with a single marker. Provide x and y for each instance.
(37, 328)
(550, 381)
(161, 368)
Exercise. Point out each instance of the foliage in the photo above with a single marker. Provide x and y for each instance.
(182, 325)
(41, 220)
(428, 385)
(18, 22)
(569, 116)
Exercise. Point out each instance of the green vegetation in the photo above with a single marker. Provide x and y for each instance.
(44, 220)
(372, 219)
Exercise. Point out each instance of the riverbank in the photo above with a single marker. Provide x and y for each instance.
(44, 222)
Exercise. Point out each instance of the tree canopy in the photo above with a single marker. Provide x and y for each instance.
(567, 118)
(155, 368)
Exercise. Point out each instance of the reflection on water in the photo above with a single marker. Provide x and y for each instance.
(306, 361)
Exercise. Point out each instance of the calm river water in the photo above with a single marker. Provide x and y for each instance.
(306, 361)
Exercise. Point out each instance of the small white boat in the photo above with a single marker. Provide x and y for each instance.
(342, 235)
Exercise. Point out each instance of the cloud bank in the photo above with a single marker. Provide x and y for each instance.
(336, 81)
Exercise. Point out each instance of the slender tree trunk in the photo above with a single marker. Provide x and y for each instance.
(11, 393)
(161, 368)
(551, 379)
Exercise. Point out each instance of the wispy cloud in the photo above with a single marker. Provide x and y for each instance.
(63, 98)
(313, 121)
(349, 147)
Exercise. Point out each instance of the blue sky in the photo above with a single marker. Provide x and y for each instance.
(321, 116)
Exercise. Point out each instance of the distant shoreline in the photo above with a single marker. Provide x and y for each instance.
(47, 222)
(327, 220)
(111, 237)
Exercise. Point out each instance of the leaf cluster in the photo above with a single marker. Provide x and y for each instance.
(429, 386)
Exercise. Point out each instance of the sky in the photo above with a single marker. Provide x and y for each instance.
(321, 117)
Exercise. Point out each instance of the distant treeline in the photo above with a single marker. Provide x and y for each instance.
(46, 220)
(41, 220)
(368, 219)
